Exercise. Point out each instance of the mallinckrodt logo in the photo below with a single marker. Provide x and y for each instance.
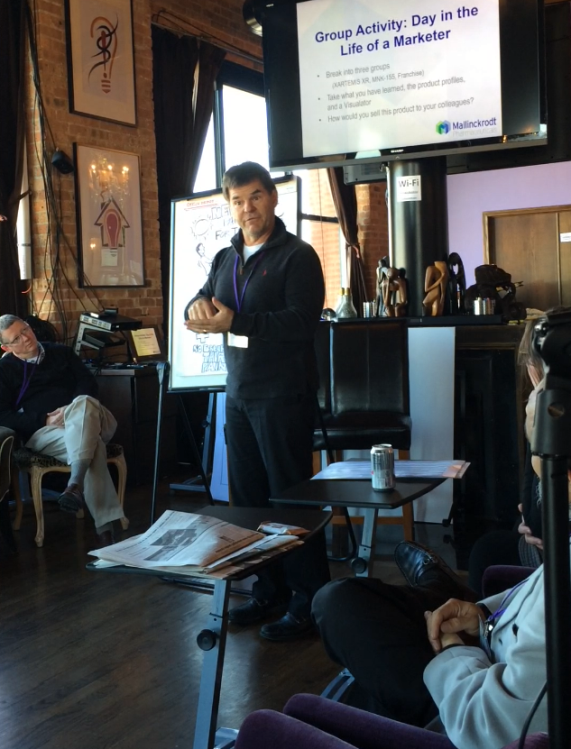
(443, 127)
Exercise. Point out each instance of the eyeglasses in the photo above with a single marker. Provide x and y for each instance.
(24, 332)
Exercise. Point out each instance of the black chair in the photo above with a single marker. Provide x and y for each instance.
(364, 391)
(6, 443)
(364, 388)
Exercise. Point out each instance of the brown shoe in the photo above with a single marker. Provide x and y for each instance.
(71, 500)
(108, 536)
(105, 539)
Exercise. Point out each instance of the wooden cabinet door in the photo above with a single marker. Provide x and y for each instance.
(532, 246)
(565, 256)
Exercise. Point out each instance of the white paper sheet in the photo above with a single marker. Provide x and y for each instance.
(425, 469)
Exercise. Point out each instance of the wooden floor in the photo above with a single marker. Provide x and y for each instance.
(95, 660)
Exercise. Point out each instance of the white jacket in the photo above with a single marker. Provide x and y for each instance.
(483, 701)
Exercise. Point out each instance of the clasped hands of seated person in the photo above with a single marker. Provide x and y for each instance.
(454, 623)
(206, 316)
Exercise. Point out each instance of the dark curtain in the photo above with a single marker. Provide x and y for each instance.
(345, 201)
(210, 60)
(12, 131)
(184, 72)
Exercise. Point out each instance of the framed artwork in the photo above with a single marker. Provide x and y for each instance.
(109, 222)
(101, 68)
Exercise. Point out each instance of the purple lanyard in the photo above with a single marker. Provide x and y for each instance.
(26, 381)
(494, 618)
(240, 298)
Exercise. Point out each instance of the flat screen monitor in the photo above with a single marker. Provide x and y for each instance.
(368, 80)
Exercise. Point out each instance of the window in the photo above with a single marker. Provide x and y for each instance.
(237, 133)
(237, 130)
(206, 176)
(320, 227)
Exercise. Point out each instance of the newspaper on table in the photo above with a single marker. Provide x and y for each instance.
(187, 543)
(404, 469)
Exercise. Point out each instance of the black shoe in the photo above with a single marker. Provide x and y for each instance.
(419, 565)
(254, 611)
(71, 500)
(286, 628)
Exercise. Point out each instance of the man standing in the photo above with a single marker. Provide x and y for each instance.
(265, 294)
(48, 396)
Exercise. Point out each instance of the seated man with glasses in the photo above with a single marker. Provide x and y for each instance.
(49, 397)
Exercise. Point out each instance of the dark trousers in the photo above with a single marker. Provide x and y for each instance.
(378, 632)
(270, 449)
(6, 536)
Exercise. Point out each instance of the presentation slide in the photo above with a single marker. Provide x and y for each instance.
(379, 75)
(201, 227)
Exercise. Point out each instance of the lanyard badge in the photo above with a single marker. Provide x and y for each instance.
(241, 341)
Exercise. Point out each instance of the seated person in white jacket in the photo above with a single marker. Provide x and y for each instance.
(427, 655)
(49, 398)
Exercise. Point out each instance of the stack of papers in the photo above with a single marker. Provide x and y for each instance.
(184, 543)
(404, 469)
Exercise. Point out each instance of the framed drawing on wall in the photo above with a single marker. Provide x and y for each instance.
(101, 68)
(109, 221)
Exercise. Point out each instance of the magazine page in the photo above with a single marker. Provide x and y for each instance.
(404, 469)
(179, 538)
(223, 568)
(238, 562)
(256, 549)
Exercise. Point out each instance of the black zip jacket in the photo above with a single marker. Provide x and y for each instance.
(59, 378)
(279, 313)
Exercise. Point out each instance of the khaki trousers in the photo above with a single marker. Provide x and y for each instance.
(88, 426)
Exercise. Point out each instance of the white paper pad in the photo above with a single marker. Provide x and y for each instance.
(404, 469)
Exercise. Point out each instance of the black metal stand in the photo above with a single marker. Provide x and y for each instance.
(353, 552)
(212, 638)
(552, 441)
(163, 369)
(205, 463)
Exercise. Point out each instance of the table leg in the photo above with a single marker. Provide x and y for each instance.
(212, 639)
(367, 546)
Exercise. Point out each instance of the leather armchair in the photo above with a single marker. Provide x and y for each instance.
(310, 722)
(364, 392)
(6, 443)
(364, 384)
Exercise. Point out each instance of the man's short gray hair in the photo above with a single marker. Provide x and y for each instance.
(6, 321)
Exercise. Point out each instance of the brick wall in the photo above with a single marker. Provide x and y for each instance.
(373, 230)
(140, 302)
(223, 20)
